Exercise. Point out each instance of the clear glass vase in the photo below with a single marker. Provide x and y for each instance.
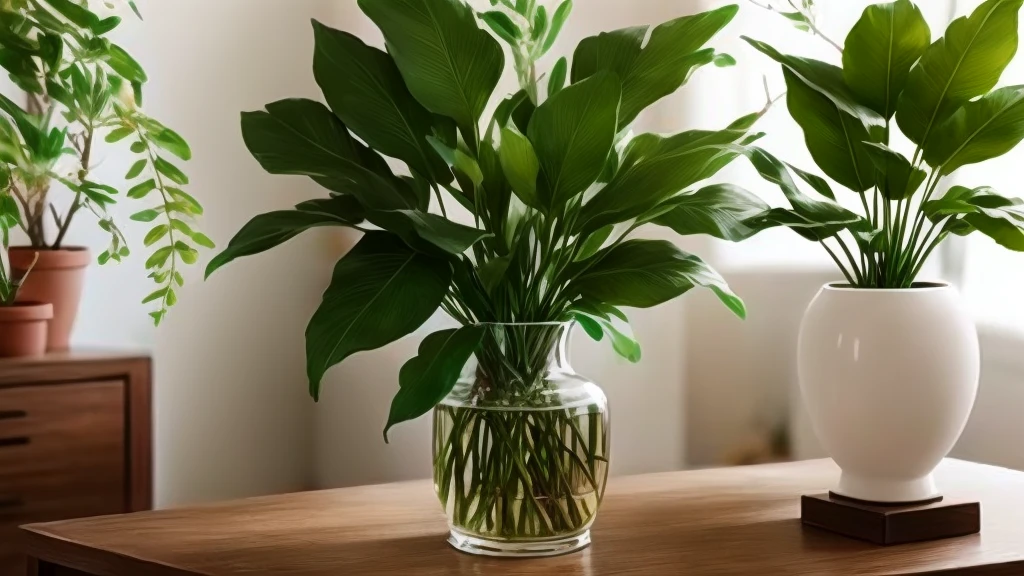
(521, 447)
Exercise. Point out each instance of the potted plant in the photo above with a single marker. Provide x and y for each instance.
(23, 325)
(554, 185)
(84, 90)
(888, 365)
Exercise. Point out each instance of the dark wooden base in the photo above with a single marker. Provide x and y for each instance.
(888, 524)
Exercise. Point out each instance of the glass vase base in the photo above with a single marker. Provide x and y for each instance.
(523, 549)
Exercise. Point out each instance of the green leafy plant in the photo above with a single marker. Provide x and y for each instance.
(552, 185)
(84, 89)
(554, 182)
(942, 98)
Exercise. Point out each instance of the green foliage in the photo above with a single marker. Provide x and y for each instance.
(58, 51)
(940, 95)
(554, 182)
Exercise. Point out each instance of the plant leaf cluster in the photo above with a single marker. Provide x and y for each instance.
(941, 94)
(552, 178)
(85, 90)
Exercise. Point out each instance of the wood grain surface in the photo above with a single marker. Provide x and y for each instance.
(727, 521)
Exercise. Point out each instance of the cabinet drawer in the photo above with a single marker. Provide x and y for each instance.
(62, 451)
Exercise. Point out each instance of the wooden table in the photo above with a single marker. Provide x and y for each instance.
(728, 521)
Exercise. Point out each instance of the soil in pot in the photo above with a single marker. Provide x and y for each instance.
(23, 329)
(57, 278)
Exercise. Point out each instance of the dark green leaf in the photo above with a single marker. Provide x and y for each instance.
(365, 90)
(901, 179)
(718, 210)
(303, 137)
(449, 64)
(590, 326)
(415, 227)
(654, 169)
(650, 72)
(502, 25)
(269, 230)
(556, 81)
(520, 165)
(427, 378)
(381, 291)
(594, 242)
(966, 63)
(835, 139)
(813, 212)
(825, 79)
(983, 129)
(880, 50)
(819, 184)
(646, 273)
(572, 134)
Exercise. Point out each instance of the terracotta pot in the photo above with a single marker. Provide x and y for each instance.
(23, 329)
(57, 278)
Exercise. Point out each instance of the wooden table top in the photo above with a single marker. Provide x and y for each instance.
(726, 521)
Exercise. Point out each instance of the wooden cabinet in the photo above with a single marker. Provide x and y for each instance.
(75, 441)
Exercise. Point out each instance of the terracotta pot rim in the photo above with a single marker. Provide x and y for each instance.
(26, 312)
(49, 249)
(50, 259)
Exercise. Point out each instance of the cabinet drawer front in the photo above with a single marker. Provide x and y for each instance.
(62, 451)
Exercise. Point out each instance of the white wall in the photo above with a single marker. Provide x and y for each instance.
(231, 411)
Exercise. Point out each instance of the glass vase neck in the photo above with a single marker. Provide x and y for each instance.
(514, 359)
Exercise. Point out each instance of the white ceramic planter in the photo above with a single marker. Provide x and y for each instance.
(889, 378)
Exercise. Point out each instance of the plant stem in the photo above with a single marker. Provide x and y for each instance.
(83, 174)
(842, 268)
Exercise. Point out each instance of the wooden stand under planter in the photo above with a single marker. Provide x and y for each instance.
(888, 524)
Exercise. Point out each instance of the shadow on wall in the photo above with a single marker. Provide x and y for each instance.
(741, 376)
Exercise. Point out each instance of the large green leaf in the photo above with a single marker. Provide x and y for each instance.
(825, 79)
(428, 377)
(654, 169)
(835, 139)
(519, 163)
(572, 134)
(449, 64)
(982, 209)
(646, 273)
(983, 129)
(718, 210)
(652, 71)
(901, 179)
(272, 229)
(880, 50)
(303, 137)
(963, 200)
(966, 63)
(808, 212)
(363, 87)
(381, 291)
(427, 232)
